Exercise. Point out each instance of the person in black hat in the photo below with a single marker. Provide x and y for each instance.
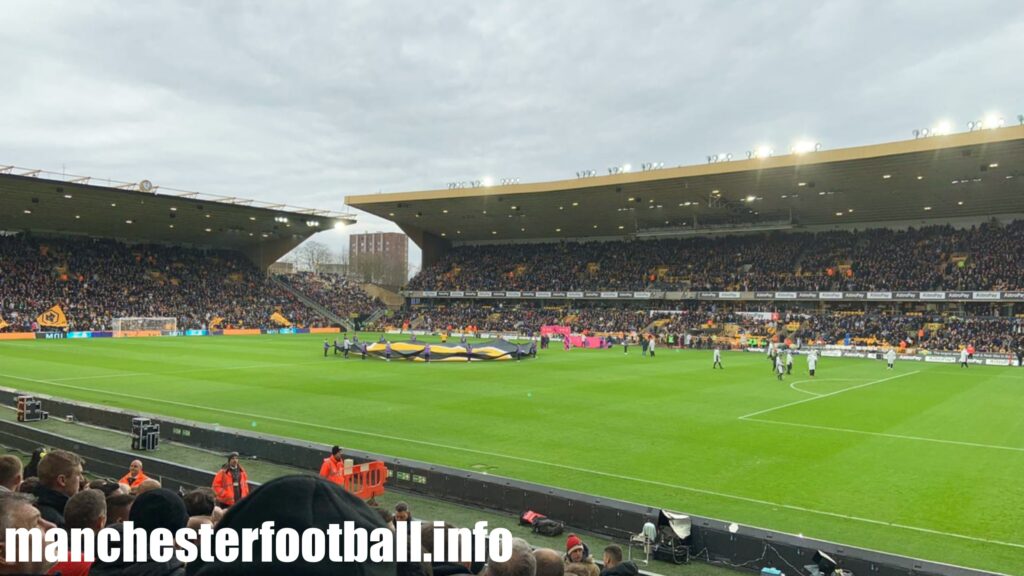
(158, 508)
(297, 502)
(231, 483)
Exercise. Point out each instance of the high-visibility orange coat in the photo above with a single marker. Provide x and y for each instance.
(224, 486)
(127, 479)
(333, 470)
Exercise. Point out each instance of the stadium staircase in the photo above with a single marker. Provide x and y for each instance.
(390, 298)
(313, 304)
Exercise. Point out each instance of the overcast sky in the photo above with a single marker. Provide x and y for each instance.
(306, 102)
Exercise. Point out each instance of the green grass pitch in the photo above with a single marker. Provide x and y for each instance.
(926, 460)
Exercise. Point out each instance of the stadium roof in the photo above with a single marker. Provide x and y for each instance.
(44, 202)
(979, 173)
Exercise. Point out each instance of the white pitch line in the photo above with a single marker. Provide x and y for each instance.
(542, 463)
(184, 371)
(758, 413)
(889, 435)
(793, 385)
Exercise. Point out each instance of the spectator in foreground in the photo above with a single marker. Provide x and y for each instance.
(10, 472)
(158, 508)
(522, 562)
(549, 562)
(298, 502)
(60, 477)
(145, 486)
(577, 557)
(231, 484)
(17, 511)
(87, 509)
(32, 468)
(614, 565)
(118, 508)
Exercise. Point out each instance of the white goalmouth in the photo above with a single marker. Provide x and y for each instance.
(144, 324)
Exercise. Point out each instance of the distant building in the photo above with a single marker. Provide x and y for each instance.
(380, 257)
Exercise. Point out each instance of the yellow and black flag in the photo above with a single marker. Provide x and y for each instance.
(53, 318)
(215, 323)
(3, 324)
(277, 318)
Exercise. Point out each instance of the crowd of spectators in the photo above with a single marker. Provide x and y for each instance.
(61, 499)
(949, 330)
(95, 281)
(335, 292)
(985, 257)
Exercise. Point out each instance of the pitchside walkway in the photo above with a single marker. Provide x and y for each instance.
(422, 508)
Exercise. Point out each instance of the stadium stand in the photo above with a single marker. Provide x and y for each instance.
(983, 257)
(340, 295)
(95, 281)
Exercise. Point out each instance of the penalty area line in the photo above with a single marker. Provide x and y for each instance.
(602, 473)
(805, 400)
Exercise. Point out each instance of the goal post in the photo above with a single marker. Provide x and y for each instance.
(150, 324)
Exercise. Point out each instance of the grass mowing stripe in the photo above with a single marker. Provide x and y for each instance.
(887, 435)
(805, 400)
(553, 464)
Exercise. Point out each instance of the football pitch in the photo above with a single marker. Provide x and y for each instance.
(926, 460)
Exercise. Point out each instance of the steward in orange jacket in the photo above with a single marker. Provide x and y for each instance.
(135, 475)
(333, 468)
(231, 483)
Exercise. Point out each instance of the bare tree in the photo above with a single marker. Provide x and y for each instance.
(380, 269)
(312, 255)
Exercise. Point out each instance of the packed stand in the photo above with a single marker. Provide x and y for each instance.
(986, 257)
(930, 330)
(335, 292)
(95, 281)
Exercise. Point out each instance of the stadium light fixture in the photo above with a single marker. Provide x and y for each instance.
(992, 121)
(751, 198)
(487, 181)
(943, 128)
(806, 146)
(339, 225)
(761, 152)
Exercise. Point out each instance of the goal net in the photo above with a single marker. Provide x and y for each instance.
(144, 324)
